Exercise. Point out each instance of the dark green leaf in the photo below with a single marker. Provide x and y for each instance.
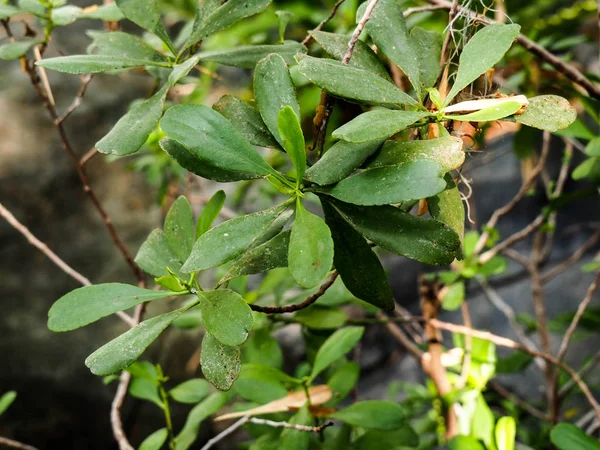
(320, 318)
(14, 50)
(447, 207)
(399, 439)
(343, 381)
(146, 14)
(246, 56)
(311, 248)
(352, 83)
(292, 439)
(155, 255)
(220, 364)
(267, 373)
(336, 346)
(262, 348)
(197, 415)
(209, 213)
(123, 45)
(547, 112)
(376, 414)
(91, 303)
(357, 264)
(226, 316)
(428, 46)
(190, 391)
(81, 64)
(290, 132)
(155, 441)
(517, 362)
(567, 436)
(378, 124)
(179, 228)
(145, 389)
(488, 114)
(7, 399)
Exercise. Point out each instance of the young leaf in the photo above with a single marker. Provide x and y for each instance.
(481, 53)
(190, 391)
(246, 119)
(567, 436)
(390, 184)
(226, 316)
(376, 414)
(454, 296)
(311, 248)
(179, 228)
(155, 441)
(352, 83)
(123, 45)
(145, 389)
(6, 400)
(229, 239)
(155, 255)
(209, 213)
(220, 364)
(88, 304)
(181, 70)
(81, 64)
(14, 50)
(210, 137)
(547, 112)
(132, 130)
(448, 207)
(343, 381)
(428, 46)
(505, 432)
(247, 56)
(378, 124)
(336, 346)
(363, 57)
(358, 265)
(292, 439)
(319, 318)
(488, 114)
(197, 415)
(464, 443)
(425, 240)
(124, 350)
(378, 439)
(274, 90)
(290, 132)
(146, 14)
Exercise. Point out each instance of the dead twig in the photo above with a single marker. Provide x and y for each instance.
(319, 27)
(5, 442)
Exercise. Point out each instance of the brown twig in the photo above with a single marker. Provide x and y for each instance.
(115, 412)
(400, 336)
(518, 401)
(77, 101)
(575, 256)
(88, 156)
(419, 9)
(319, 27)
(587, 367)
(359, 27)
(466, 365)
(5, 442)
(298, 306)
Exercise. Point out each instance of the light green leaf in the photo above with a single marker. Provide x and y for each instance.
(145, 389)
(481, 53)
(209, 213)
(14, 50)
(376, 414)
(488, 114)
(274, 90)
(81, 64)
(109, 12)
(390, 184)
(247, 56)
(65, 15)
(181, 70)
(593, 147)
(6, 400)
(197, 415)
(336, 346)
(378, 124)
(190, 391)
(567, 436)
(179, 228)
(358, 265)
(506, 429)
(229, 239)
(482, 424)
(428, 46)
(464, 443)
(590, 168)
(226, 316)
(400, 439)
(155, 441)
(123, 45)
(263, 349)
(454, 296)
(124, 350)
(267, 373)
(290, 132)
(32, 6)
(146, 14)
(343, 381)
(311, 248)
(363, 57)
(352, 83)
(319, 318)
(448, 207)
(446, 151)
(88, 304)
(211, 138)
(220, 364)
(292, 439)
(246, 119)
(547, 112)
(258, 391)
(7, 11)
(591, 266)
(425, 240)
(132, 130)
(155, 255)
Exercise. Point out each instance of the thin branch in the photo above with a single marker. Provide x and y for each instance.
(512, 239)
(15, 444)
(466, 365)
(77, 101)
(292, 426)
(587, 367)
(115, 412)
(298, 306)
(576, 256)
(518, 401)
(361, 24)
(88, 156)
(401, 337)
(319, 27)
(420, 9)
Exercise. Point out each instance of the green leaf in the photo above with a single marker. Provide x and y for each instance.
(292, 439)
(132, 130)
(123, 45)
(223, 17)
(209, 213)
(229, 239)
(246, 119)
(14, 50)
(247, 56)
(258, 391)
(155, 255)
(547, 112)
(7, 398)
(146, 14)
(267, 373)
(226, 316)
(481, 53)
(262, 258)
(593, 147)
(88, 304)
(82, 64)
(319, 318)
(352, 83)
(181, 70)
(591, 266)
(488, 114)
(179, 228)
(109, 13)
(454, 296)
(446, 151)
(65, 15)
(340, 160)
(220, 364)
(262, 348)
(343, 381)
(211, 138)
(357, 263)
(32, 6)
(577, 130)
(425, 240)
(482, 425)
(401, 438)
(290, 132)
(567, 436)
(387, 28)
(311, 248)
(197, 415)
(590, 168)
(274, 90)
(336, 346)
(448, 207)
(390, 184)
(363, 57)
(7, 11)
(378, 124)
(375, 414)
(516, 362)
(190, 391)
(506, 429)
(125, 349)
(155, 441)
(190, 161)
(428, 46)
(464, 443)
(145, 389)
